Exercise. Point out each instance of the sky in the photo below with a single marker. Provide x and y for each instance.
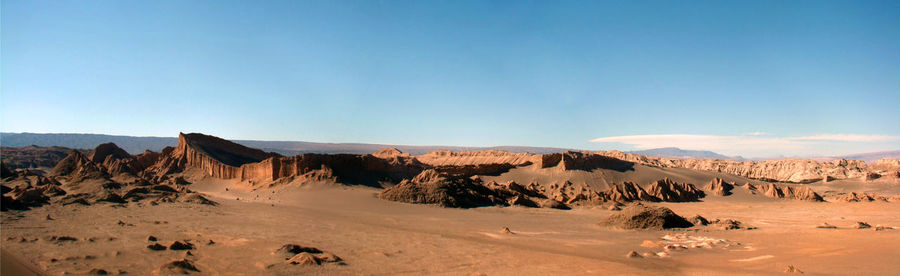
(750, 78)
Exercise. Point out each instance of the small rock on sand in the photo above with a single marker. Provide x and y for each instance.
(882, 228)
(151, 238)
(329, 258)
(826, 226)
(633, 254)
(182, 266)
(293, 249)
(651, 244)
(304, 258)
(699, 220)
(792, 269)
(506, 230)
(862, 225)
(156, 247)
(181, 245)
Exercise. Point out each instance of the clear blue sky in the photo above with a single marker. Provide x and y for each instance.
(478, 73)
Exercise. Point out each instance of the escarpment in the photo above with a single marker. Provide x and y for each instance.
(217, 157)
(585, 161)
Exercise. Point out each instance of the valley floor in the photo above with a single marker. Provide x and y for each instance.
(377, 237)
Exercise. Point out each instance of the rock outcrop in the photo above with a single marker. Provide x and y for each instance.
(783, 170)
(432, 187)
(638, 216)
(627, 192)
(787, 192)
(77, 167)
(661, 190)
(23, 190)
(114, 160)
(860, 197)
(719, 187)
(670, 191)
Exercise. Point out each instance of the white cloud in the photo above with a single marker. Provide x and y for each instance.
(759, 144)
(848, 138)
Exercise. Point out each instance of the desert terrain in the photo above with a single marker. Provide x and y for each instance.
(209, 206)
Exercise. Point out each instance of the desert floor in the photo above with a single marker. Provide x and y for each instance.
(376, 237)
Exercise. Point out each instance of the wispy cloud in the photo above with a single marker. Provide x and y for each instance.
(759, 144)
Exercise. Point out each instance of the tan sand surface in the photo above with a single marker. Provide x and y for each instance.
(377, 237)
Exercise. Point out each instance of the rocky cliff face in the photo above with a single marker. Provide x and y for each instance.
(347, 168)
(585, 161)
(783, 170)
(217, 157)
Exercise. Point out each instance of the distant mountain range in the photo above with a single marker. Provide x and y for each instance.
(686, 154)
(135, 145)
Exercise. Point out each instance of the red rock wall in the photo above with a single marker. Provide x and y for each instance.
(212, 167)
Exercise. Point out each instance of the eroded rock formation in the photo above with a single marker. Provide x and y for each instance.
(719, 187)
(860, 197)
(670, 191)
(788, 192)
(626, 192)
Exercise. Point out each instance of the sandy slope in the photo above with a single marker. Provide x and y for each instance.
(381, 237)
